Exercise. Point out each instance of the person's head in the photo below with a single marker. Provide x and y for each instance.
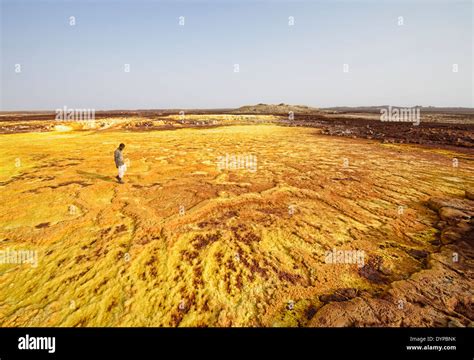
(121, 146)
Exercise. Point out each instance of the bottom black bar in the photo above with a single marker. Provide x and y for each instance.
(137, 343)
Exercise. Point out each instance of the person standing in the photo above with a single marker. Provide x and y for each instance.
(119, 163)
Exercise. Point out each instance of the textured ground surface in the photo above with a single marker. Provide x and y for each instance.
(248, 249)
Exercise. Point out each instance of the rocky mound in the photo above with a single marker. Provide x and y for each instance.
(275, 109)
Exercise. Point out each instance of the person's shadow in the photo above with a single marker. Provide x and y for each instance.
(96, 176)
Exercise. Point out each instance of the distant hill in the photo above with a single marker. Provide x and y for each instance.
(274, 109)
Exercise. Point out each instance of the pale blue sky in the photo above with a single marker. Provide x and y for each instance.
(192, 66)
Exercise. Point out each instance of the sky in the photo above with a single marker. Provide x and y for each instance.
(194, 65)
